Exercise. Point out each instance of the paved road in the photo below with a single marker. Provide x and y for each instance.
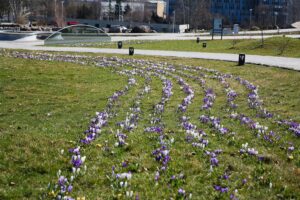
(283, 62)
(293, 33)
(192, 37)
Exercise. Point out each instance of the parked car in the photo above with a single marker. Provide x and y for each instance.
(117, 29)
(70, 23)
(142, 29)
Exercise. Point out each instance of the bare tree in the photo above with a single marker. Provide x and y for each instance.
(19, 10)
(264, 16)
(96, 9)
(71, 9)
(99, 9)
(295, 10)
(137, 16)
(127, 12)
(147, 16)
(4, 8)
(200, 15)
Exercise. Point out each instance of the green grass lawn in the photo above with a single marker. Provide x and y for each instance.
(46, 105)
(276, 46)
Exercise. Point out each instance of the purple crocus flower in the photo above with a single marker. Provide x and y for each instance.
(217, 187)
(70, 188)
(62, 181)
(181, 191)
(291, 148)
(224, 190)
(225, 176)
(214, 161)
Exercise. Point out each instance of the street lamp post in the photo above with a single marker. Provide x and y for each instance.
(174, 15)
(250, 19)
(262, 28)
(276, 14)
(54, 8)
(62, 9)
(183, 8)
(119, 12)
(62, 13)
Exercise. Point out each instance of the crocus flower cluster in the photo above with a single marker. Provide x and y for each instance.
(260, 130)
(214, 162)
(231, 96)
(121, 181)
(64, 187)
(183, 194)
(159, 108)
(78, 160)
(222, 80)
(51, 57)
(132, 118)
(215, 123)
(271, 137)
(290, 151)
(221, 189)
(162, 155)
(153, 129)
(292, 126)
(115, 97)
(253, 97)
(121, 139)
(254, 100)
(190, 95)
(167, 93)
(194, 136)
(249, 151)
(209, 99)
(198, 138)
(95, 127)
(263, 113)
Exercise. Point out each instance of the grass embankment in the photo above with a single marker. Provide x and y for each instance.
(276, 46)
(45, 106)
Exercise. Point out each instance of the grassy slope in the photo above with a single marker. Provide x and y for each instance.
(277, 46)
(45, 105)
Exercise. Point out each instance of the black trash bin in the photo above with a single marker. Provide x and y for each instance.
(242, 59)
(120, 45)
(204, 45)
(198, 40)
(131, 51)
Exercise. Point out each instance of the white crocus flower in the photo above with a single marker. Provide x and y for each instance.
(83, 159)
(58, 173)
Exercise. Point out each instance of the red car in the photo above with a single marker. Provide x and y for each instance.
(72, 23)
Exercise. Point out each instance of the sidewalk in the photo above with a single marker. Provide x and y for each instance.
(282, 62)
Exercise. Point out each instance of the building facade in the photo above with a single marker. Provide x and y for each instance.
(267, 13)
(158, 7)
(276, 12)
(234, 11)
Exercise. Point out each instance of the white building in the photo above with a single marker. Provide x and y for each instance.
(159, 7)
